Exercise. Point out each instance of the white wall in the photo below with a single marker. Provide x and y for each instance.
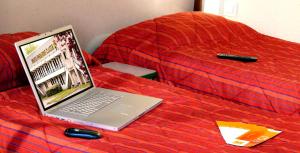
(93, 20)
(278, 18)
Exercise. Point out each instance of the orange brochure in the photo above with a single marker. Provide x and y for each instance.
(245, 135)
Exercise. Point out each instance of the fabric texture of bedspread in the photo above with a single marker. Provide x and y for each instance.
(185, 122)
(182, 47)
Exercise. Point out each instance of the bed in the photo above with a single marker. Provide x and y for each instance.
(181, 123)
(182, 47)
(184, 122)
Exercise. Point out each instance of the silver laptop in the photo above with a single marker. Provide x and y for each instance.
(64, 88)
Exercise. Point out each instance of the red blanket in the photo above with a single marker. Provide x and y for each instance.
(185, 122)
(183, 48)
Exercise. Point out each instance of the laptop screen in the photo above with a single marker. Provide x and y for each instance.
(56, 67)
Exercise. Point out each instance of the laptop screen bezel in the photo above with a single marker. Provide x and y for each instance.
(31, 77)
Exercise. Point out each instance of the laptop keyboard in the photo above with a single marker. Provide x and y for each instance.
(90, 103)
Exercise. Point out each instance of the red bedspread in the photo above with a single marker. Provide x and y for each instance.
(185, 122)
(183, 47)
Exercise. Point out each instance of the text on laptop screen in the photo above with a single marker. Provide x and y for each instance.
(56, 67)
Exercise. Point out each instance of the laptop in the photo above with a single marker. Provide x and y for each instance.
(64, 88)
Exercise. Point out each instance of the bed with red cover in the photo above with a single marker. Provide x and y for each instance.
(184, 122)
(182, 47)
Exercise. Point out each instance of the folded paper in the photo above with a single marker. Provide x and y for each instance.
(245, 135)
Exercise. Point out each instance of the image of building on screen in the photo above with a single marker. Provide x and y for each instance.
(56, 65)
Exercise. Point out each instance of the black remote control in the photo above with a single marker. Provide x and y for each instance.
(237, 57)
(82, 133)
